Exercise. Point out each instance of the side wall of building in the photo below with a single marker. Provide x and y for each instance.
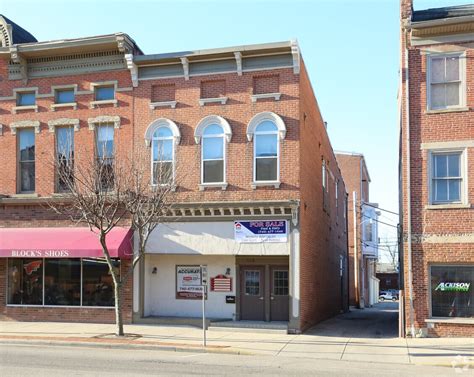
(323, 236)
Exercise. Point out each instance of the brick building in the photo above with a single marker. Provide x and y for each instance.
(436, 169)
(362, 230)
(260, 201)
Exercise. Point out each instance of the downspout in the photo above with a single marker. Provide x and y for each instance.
(408, 172)
(362, 271)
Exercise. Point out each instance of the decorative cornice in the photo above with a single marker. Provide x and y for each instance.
(16, 58)
(295, 51)
(185, 63)
(25, 124)
(52, 124)
(238, 61)
(123, 44)
(103, 119)
(133, 69)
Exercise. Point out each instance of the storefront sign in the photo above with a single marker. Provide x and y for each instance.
(39, 254)
(261, 231)
(453, 287)
(188, 282)
(221, 283)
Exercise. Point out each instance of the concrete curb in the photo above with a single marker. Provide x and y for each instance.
(112, 345)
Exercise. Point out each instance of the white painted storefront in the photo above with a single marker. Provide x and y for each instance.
(192, 244)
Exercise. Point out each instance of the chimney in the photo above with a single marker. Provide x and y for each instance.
(406, 10)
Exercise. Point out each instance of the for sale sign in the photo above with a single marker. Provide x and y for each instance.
(188, 282)
(261, 231)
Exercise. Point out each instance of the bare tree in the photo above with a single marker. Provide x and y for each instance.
(391, 248)
(104, 192)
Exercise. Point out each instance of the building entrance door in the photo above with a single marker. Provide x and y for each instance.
(252, 293)
(279, 289)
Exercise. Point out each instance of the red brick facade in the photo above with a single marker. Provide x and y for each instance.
(440, 235)
(306, 144)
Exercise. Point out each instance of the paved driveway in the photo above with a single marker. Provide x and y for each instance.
(380, 321)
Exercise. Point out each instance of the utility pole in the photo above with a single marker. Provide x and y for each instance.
(356, 256)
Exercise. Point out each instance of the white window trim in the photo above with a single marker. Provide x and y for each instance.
(103, 119)
(256, 97)
(173, 155)
(464, 176)
(462, 67)
(18, 91)
(171, 104)
(55, 89)
(223, 184)
(52, 124)
(221, 100)
(281, 134)
(275, 183)
(93, 104)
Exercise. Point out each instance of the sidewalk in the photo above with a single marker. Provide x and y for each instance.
(390, 350)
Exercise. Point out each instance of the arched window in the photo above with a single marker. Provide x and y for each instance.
(266, 129)
(266, 152)
(162, 136)
(213, 132)
(213, 155)
(162, 156)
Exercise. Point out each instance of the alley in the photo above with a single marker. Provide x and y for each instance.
(380, 321)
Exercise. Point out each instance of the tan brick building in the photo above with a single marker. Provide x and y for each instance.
(260, 198)
(436, 169)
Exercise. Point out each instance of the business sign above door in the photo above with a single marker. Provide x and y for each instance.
(261, 231)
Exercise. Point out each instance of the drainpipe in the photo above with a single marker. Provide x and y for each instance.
(408, 172)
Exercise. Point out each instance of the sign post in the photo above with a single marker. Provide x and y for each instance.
(204, 291)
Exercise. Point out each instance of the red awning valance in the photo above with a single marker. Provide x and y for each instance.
(63, 243)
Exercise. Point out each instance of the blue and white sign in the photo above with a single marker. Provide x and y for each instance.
(261, 231)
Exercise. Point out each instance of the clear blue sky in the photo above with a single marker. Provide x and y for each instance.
(350, 49)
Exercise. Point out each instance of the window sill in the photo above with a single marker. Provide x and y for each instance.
(450, 110)
(275, 184)
(448, 206)
(256, 97)
(15, 109)
(451, 320)
(171, 187)
(221, 100)
(94, 104)
(154, 105)
(55, 106)
(26, 195)
(222, 186)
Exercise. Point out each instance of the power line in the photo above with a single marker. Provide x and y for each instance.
(382, 209)
(381, 222)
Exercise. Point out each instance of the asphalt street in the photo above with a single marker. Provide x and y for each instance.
(26, 360)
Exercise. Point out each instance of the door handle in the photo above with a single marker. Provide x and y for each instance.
(260, 298)
(272, 298)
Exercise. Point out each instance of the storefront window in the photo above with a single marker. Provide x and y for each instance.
(62, 282)
(452, 292)
(97, 283)
(25, 277)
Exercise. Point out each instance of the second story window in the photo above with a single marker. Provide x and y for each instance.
(446, 78)
(104, 92)
(26, 144)
(213, 155)
(26, 98)
(105, 155)
(64, 96)
(163, 156)
(447, 183)
(266, 152)
(65, 157)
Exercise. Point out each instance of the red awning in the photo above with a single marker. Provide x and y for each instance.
(63, 243)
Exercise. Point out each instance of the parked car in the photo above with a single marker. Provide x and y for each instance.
(388, 296)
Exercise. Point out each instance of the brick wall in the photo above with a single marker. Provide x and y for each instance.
(322, 238)
(238, 111)
(445, 223)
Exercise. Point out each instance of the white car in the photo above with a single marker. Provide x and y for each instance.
(387, 296)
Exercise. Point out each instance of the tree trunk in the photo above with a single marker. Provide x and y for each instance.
(118, 309)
